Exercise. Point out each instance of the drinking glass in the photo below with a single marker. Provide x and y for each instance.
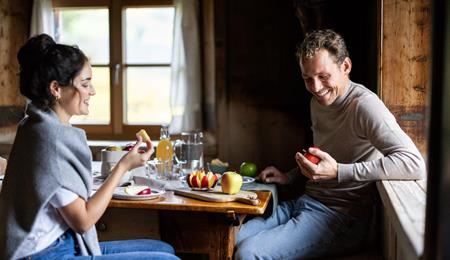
(156, 169)
(189, 151)
(177, 171)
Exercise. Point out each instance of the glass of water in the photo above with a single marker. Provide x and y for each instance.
(156, 169)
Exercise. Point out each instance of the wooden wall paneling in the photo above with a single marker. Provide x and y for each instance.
(220, 41)
(358, 26)
(404, 64)
(14, 30)
(265, 109)
(208, 65)
(209, 110)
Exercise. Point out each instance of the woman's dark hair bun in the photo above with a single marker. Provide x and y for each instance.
(43, 61)
(34, 50)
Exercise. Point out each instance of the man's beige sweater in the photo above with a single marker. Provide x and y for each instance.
(363, 136)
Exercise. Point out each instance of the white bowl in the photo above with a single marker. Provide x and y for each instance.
(109, 160)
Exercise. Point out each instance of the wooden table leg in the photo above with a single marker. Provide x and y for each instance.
(199, 232)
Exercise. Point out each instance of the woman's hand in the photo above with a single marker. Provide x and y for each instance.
(134, 158)
(273, 175)
(81, 215)
(326, 169)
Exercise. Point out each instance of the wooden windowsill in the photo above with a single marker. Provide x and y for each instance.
(404, 206)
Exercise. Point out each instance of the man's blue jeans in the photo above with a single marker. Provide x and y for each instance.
(65, 247)
(300, 229)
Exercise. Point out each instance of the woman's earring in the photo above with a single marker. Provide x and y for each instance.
(57, 98)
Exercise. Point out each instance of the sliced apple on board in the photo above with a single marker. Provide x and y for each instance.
(198, 179)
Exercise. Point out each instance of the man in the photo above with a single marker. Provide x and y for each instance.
(360, 142)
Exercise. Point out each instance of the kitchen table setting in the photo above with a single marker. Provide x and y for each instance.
(191, 218)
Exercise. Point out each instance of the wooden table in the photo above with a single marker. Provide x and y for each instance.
(189, 225)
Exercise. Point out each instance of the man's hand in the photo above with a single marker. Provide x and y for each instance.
(326, 169)
(273, 175)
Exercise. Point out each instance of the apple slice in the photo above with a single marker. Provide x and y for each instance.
(205, 181)
(212, 179)
(144, 135)
(146, 191)
(136, 189)
(200, 174)
(189, 179)
(196, 182)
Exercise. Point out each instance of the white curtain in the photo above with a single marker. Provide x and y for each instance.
(185, 92)
(42, 18)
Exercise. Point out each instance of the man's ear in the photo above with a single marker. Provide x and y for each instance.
(55, 90)
(347, 66)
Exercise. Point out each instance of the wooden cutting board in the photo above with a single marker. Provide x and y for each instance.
(216, 195)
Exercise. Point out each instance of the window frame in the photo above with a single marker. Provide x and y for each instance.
(116, 129)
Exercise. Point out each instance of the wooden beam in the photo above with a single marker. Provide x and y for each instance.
(404, 64)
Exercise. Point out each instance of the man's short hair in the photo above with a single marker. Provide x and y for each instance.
(323, 39)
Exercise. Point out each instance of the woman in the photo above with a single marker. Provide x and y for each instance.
(46, 207)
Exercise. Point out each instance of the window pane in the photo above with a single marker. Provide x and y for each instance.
(99, 105)
(147, 97)
(149, 35)
(87, 28)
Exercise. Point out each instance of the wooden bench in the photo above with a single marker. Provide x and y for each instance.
(403, 218)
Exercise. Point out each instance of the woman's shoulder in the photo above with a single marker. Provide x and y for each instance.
(43, 122)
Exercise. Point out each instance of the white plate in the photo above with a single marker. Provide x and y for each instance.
(183, 179)
(120, 193)
(246, 180)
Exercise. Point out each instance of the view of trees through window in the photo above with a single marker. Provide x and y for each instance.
(146, 44)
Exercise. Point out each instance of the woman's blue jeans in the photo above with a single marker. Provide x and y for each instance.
(300, 229)
(65, 247)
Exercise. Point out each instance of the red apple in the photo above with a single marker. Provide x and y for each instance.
(312, 158)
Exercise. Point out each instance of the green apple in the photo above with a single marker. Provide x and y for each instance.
(231, 182)
(248, 169)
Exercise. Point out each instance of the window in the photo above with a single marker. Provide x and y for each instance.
(129, 45)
